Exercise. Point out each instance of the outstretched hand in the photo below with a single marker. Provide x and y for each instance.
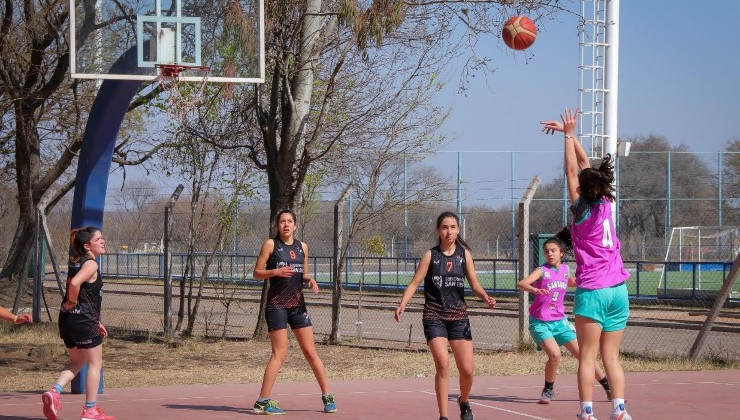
(567, 124)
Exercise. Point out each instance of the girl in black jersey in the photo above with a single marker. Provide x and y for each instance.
(445, 318)
(284, 262)
(79, 324)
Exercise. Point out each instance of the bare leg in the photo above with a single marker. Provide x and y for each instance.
(72, 367)
(588, 333)
(94, 357)
(279, 342)
(552, 350)
(308, 347)
(610, 343)
(572, 347)
(438, 347)
(463, 351)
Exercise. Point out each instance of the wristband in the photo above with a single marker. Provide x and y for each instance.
(568, 136)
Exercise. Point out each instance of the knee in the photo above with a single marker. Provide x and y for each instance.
(554, 357)
(443, 369)
(279, 353)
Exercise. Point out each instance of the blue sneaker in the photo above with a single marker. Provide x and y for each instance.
(329, 405)
(269, 407)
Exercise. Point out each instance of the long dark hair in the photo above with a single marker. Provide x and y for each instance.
(78, 239)
(460, 241)
(597, 182)
(563, 239)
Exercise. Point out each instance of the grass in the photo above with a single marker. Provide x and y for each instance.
(32, 356)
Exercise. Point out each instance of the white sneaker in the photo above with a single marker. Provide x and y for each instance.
(621, 415)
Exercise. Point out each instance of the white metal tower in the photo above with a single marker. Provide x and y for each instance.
(598, 76)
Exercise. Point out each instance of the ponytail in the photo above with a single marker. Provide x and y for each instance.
(78, 239)
(598, 182)
(563, 239)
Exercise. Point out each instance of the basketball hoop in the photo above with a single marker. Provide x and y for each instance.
(181, 98)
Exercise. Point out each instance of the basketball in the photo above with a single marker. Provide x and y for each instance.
(519, 32)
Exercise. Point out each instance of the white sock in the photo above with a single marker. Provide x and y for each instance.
(587, 407)
(618, 405)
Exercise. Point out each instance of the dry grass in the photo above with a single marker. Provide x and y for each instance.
(33, 354)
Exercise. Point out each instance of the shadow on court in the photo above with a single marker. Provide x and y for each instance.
(651, 395)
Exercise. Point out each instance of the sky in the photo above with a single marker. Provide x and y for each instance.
(679, 77)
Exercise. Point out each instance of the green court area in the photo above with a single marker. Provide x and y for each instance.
(669, 284)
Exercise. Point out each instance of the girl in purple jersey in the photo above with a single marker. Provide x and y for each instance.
(548, 325)
(283, 261)
(601, 303)
(445, 318)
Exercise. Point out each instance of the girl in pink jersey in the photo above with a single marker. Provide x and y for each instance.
(601, 303)
(548, 325)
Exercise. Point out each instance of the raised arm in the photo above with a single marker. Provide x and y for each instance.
(575, 157)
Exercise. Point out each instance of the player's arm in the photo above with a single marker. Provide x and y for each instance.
(421, 271)
(574, 158)
(525, 284)
(260, 272)
(572, 281)
(15, 319)
(307, 278)
(87, 273)
(472, 277)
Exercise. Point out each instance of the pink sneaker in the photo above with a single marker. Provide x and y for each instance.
(52, 403)
(95, 413)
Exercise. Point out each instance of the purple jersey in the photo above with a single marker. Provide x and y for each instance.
(596, 246)
(550, 307)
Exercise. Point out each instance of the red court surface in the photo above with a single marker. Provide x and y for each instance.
(701, 395)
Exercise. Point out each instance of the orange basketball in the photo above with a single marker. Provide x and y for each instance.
(519, 32)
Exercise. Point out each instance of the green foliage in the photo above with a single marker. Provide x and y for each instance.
(373, 245)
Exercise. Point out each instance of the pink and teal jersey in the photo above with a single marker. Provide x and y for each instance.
(596, 246)
(550, 307)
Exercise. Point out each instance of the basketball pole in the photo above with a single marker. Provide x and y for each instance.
(611, 86)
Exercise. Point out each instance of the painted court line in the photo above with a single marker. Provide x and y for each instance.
(497, 408)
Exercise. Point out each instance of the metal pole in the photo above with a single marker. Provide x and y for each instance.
(513, 208)
(668, 197)
(611, 83)
(719, 189)
(405, 211)
(459, 186)
(523, 302)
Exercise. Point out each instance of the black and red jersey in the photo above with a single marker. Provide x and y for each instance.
(90, 298)
(444, 286)
(286, 292)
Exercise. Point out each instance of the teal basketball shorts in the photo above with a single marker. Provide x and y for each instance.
(609, 307)
(561, 330)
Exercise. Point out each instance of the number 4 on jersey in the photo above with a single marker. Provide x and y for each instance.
(606, 238)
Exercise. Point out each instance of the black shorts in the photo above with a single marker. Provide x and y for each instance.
(79, 331)
(451, 330)
(279, 318)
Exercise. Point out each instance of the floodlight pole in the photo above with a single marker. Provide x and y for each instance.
(611, 83)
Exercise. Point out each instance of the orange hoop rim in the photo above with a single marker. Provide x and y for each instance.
(174, 70)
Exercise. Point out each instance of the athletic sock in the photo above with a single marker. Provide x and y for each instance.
(618, 405)
(604, 382)
(90, 404)
(586, 408)
(261, 400)
(58, 388)
(549, 385)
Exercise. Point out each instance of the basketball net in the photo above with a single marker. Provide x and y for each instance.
(182, 98)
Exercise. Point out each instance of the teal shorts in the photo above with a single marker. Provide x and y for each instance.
(561, 330)
(609, 307)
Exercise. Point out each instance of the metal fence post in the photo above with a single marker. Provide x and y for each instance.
(523, 232)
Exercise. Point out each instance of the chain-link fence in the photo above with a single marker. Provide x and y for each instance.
(657, 192)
